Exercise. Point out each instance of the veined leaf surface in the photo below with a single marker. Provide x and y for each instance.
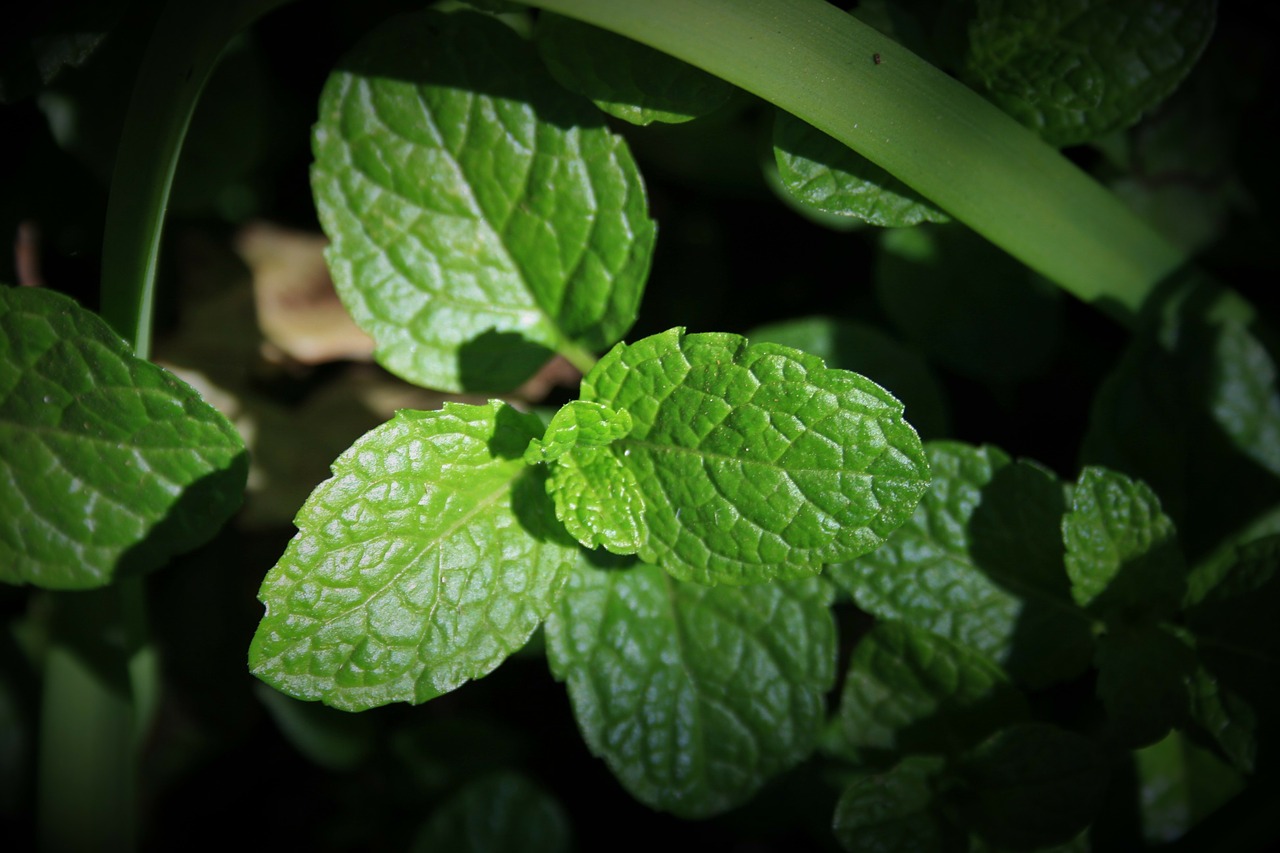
(482, 217)
(428, 558)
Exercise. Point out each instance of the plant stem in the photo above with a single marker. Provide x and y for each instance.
(933, 133)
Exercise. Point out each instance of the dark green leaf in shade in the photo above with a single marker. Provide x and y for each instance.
(1192, 409)
(754, 461)
(626, 79)
(1235, 694)
(1075, 70)
(1142, 680)
(1180, 784)
(694, 696)
(909, 690)
(865, 349)
(330, 738)
(1122, 552)
(827, 175)
(967, 304)
(481, 216)
(981, 564)
(109, 465)
(430, 556)
(894, 811)
(503, 812)
(1032, 785)
(934, 30)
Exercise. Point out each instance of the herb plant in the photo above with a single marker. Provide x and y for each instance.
(732, 546)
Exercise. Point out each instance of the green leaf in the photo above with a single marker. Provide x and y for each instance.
(980, 563)
(912, 691)
(1142, 680)
(966, 303)
(752, 462)
(481, 216)
(1032, 785)
(109, 465)
(892, 811)
(428, 558)
(1075, 70)
(694, 695)
(1180, 785)
(500, 813)
(1235, 697)
(865, 349)
(1193, 409)
(1122, 551)
(626, 79)
(578, 424)
(829, 176)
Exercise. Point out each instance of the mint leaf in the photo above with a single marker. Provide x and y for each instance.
(693, 695)
(1074, 71)
(1142, 681)
(500, 813)
(428, 558)
(481, 216)
(109, 465)
(1032, 785)
(864, 349)
(1122, 552)
(626, 79)
(912, 691)
(967, 304)
(578, 424)
(1180, 784)
(893, 810)
(980, 563)
(1193, 409)
(752, 461)
(828, 176)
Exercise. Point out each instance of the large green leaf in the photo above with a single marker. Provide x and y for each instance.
(909, 690)
(482, 217)
(981, 564)
(626, 79)
(1122, 551)
(1075, 69)
(428, 558)
(750, 462)
(694, 695)
(109, 465)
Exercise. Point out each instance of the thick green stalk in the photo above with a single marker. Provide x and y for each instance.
(942, 139)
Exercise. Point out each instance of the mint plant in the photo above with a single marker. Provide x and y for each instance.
(774, 568)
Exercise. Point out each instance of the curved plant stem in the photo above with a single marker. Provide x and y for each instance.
(934, 134)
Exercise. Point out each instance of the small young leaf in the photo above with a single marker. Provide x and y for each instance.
(1142, 681)
(109, 465)
(981, 564)
(753, 462)
(578, 424)
(428, 558)
(1073, 71)
(866, 349)
(1032, 785)
(693, 695)
(824, 174)
(893, 811)
(500, 813)
(912, 691)
(1122, 552)
(482, 217)
(624, 78)
(1180, 785)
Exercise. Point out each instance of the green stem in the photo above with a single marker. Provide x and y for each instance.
(939, 137)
